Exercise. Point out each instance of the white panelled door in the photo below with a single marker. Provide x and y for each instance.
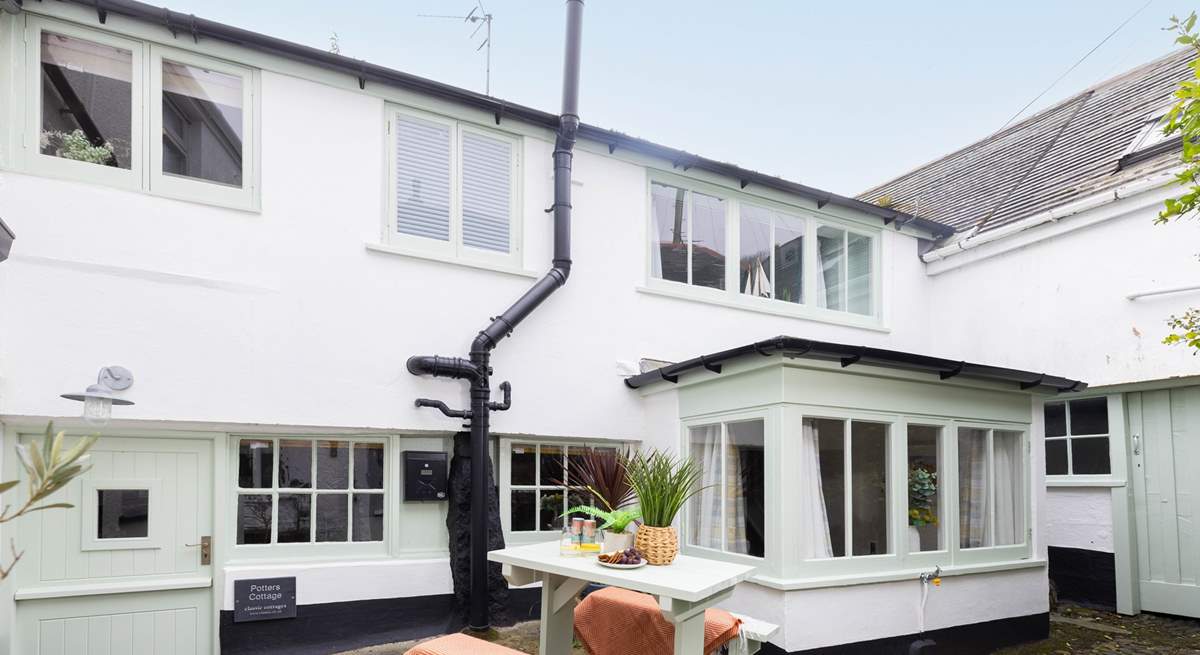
(1165, 432)
(122, 572)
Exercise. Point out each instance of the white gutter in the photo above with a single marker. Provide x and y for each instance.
(973, 239)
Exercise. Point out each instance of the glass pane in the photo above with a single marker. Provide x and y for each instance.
(708, 241)
(754, 260)
(522, 463)
(858, 274)
(422, 178)
(122, 513)
(1089, 416)
(1010, 485)
(1056, 419)
(551, 505)
(333, 464)
(551, 465)
(744, 528)
(254, 463)
(202, 123)
(575, 458)
(831, 258)
(789, 258)
(368, 517)
(704, 520)
(486, 191)
(1089, 456)
(668, 236)
(295, 464)
(295, 517)
(924, 488)
(1056, 457)
(522, 513)
(254, 519)
(331, 517)
(87, 100)
(368, 466)
(974, 521)
(869, 481)
(827, 535)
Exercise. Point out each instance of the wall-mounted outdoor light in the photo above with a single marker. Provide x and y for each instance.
(98, 399)
(6, 239)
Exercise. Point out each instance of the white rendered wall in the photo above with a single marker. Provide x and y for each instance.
(1080, 517)
(816, 618)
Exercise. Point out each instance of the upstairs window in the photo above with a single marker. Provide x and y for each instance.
(454, 189)
(100, 98)
(688, 239)
(1077, 437)
(762, 255)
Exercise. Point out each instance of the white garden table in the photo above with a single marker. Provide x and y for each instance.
(684, 589)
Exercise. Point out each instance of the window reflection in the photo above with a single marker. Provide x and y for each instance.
(87, 100)
(202, 123)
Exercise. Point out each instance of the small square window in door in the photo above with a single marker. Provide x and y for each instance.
(122, 513)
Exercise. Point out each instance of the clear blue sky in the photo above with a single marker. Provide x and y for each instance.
(838, 95)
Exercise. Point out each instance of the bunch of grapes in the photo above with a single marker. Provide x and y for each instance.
(629, 556)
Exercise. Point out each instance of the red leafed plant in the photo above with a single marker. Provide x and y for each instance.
(601, 472)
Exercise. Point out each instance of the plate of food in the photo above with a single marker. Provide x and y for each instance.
(629, 558)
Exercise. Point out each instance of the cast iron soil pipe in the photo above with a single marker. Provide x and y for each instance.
(478, 369)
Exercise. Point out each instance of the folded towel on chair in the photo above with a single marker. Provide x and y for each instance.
(614, 621)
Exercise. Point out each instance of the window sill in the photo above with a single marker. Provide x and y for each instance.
(793, 584)
(417, 254)
(104, 589)
(1075, 481)
(766, 306)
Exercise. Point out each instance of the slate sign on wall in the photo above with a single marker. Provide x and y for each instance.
(263, 599)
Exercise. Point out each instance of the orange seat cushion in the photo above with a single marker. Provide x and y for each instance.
(614, 621)
(460, 644)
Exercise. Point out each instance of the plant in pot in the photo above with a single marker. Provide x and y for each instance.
(601, 473)
(663, 483)
(922, 496)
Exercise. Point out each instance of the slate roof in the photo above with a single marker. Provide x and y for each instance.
(1065, 152)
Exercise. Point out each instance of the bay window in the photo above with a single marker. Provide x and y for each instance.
(787, 259)
(851, 478)
(454, 189)
(991, 488)
(727, 514)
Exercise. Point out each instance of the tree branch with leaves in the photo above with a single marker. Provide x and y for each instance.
(1183, 119)
(50, 466)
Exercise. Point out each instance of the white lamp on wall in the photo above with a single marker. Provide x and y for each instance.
(98, 399)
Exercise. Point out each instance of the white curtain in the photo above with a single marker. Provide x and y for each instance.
(814, 523)
(973, 524)
(1010, 517)
(706, 505)
(735, 495)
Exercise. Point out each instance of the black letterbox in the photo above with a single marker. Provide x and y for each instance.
(424, 475)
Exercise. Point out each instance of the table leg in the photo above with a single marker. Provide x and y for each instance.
(689, 636)
(558, 614)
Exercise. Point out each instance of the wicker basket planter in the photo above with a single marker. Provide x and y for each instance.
(658, 545)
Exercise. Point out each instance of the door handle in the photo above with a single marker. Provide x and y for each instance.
(1137, 444)
(205, 550)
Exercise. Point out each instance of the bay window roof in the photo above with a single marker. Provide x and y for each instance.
(850, 355)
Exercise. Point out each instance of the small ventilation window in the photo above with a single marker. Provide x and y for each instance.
(1150, 141)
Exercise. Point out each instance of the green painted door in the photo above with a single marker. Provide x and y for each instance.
(1165, 433)
(122, 573)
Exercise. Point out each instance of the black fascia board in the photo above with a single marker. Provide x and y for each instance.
(189, 26)
(851, 355)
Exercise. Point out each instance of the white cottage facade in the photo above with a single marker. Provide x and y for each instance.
(273, 232)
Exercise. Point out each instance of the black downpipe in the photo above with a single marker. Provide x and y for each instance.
(477, 369)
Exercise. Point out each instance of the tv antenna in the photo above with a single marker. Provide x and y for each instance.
(482, 21)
